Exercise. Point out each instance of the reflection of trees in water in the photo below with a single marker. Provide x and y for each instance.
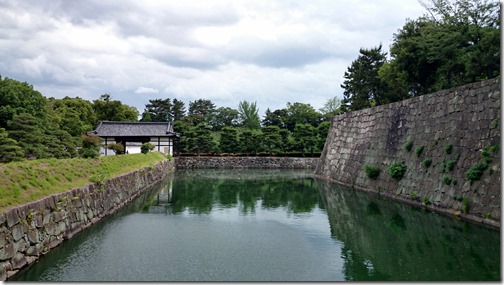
(387, 240)
(233, 188)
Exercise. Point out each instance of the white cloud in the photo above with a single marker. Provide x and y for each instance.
(146, 90)
(272, 52)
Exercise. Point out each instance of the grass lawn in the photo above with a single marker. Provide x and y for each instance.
(26, 181)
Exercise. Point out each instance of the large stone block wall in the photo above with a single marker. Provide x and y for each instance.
(467, 117)
(186, 162)
(33, 229)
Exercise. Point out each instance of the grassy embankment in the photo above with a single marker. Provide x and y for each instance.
(27, 181)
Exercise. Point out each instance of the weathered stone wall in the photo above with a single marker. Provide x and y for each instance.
(33, 229)
(245, 162)
(467, 117)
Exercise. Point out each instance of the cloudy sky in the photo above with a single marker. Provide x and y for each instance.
(271, 52)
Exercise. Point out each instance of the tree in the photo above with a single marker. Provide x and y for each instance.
(331, 108)
(107, 109)
(159, 110)
(200, 110)
(25, 129)
(199, 139)
(322, 132)
(276, 118)
(222, 117)
(456, 43)
(362, 85)
(9, 148)
(272, 139)
(20, 97)
(250, 141)
(248, 115)
(183, 128)
(299, 113)
(229, 140)
(178, 110)
(305, 138)
(73, 115)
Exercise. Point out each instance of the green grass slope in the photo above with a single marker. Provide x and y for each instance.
(27, 181)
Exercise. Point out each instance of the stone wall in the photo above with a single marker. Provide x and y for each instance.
(33, 229)
(245, 162)
(455, 129)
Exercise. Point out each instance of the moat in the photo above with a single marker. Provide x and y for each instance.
(270, 225)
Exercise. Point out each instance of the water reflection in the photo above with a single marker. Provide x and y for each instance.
(200, 191)
(270, 225)
(385, 240)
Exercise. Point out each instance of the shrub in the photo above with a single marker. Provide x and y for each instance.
(169, 157)
(146, 147)
(419, 150)
(372, 171)
(475, 171)
(397, 170)
(448, 148)
(408, 145)
(426, 162)
(450, 164)
(89, 153)
(465, 205)
(117, 148)
(447, 180)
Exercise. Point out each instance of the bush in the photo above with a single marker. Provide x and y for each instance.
(447, 180)
(408, 146)
(146, 147)
(372, 171)
(117, 148)
(448, 148)
(397, 170)
(426, 162)
(91, 141)
(169, 157)
(419, 150)
(89, 153)
(475, 171)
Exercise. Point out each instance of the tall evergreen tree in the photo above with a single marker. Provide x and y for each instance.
(362, 85)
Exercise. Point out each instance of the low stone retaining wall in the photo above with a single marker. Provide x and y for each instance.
(246, 162)
(33, 229)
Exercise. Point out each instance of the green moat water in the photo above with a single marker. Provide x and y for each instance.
(270, 225)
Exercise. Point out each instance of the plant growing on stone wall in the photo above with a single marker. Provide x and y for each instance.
(408, 145)
(100, 179)
(450, 164)
(448, 148)
(372, 171)
(397, 170)
(426, 162)
(465, 205)
(476, 170)
(495, 124)
(419, 150)
(448, 180)
(426, 200)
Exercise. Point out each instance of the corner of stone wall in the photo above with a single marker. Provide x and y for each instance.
(33, 229)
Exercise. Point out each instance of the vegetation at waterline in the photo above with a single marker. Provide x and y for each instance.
(30, 180)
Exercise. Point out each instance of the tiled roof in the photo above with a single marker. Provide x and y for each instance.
(134, 129)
